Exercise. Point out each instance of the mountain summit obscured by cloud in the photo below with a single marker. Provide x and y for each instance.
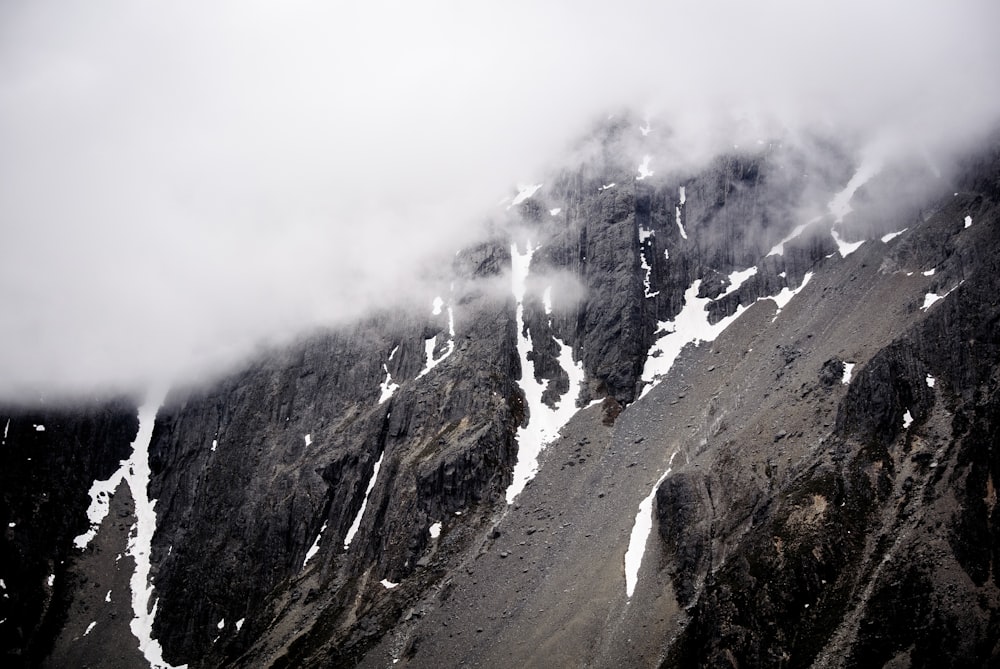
(179, 181)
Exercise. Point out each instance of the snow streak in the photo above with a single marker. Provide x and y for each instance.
(315, 546)
(353, 529)
(544, 423)
(641, 527)
(140, 542)
(431, 344)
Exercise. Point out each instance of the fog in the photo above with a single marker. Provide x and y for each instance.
(179, 182)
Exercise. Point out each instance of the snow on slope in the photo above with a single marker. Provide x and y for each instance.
(315, 546)
(544, 423)
(353, 529)
(141, 536)
(135, 472)
(431, 344)
(641, 528)
(691, 326)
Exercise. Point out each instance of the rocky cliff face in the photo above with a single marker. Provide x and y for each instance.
(792, 462)
(49, 456)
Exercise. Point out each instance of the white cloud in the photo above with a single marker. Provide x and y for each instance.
(180, 180)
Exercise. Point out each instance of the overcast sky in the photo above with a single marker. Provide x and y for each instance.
(179, 180)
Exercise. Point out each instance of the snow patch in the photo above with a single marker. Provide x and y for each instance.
(436, 306)
(308, 439)
(782, 299)
(848, 371)
(682, 194)
(845, 248)
(387, 584)
(435, 530)
(107, 597)
(607, 186)
(50, 581)
(840, 205)
(929, 272)
(643, 168)
(543, 423)
(431, 344)
(892, 235)
(930, 381)
(220, 624)
(523, 193)
(779, 248)
(555, 212)
(5, 429)
(215, 444)
(645, 234)
(315, 546)
(929, 299)
(737, 279)
(640, 534)
(680, 225)
(691, 326)
(387, 387)
(90, 628)
(239, 624)
(907, 419)
(968, 221)
(353, 529)
(39, 428)
(646, 279)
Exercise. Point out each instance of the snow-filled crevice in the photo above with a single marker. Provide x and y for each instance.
(932, 298)
(892, 235)
(140, 541)
(680, 225)
(311, 553)
(388, 386)
(353, 529)
(840, 204)
(641, 528)
(646, 279)
(544, 422)
(430, 345)
(135, 472)
(779, 248)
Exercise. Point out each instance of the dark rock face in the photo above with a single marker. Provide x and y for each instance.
(732, 213)
(49, 458)
(296, 439)
(880, 551)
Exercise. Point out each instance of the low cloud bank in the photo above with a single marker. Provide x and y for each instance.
(180, 182)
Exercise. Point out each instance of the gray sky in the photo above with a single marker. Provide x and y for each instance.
(179, 181)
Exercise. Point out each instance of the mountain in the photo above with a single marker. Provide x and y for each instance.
(738, 414)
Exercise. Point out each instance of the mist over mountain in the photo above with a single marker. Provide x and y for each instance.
(181, 183)
(646, 335)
